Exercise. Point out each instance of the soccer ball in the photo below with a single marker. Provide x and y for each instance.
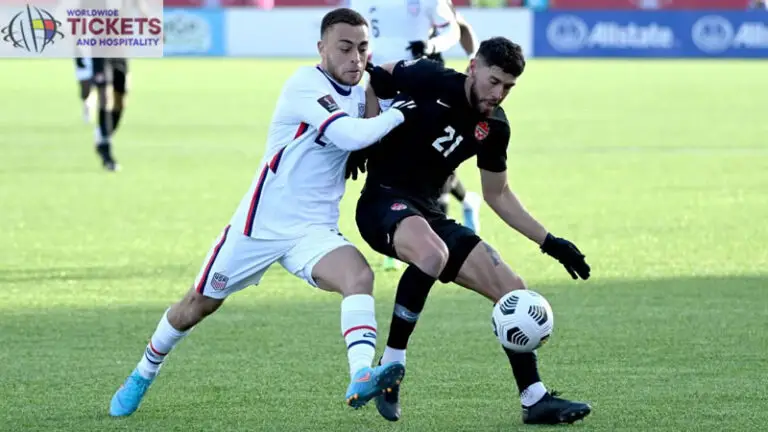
(522, 320)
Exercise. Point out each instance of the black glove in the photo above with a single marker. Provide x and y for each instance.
(382, 82)
(356, 163)
(418, 49)
(568, 255)
(405, 105)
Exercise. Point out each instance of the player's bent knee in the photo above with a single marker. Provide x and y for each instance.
(360, 281)
(417, 244)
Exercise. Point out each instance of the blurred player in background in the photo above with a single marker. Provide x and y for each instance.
(290, 214)
(84, 75)
(109, 74)
(412, 30)
(468, 39)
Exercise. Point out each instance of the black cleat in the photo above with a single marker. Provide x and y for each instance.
(388, 403)
(107, 161)
(554, 410)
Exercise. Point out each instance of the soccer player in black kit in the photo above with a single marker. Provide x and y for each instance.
(108, 71)
(458, 116)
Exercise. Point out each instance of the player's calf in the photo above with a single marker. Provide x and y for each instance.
(174, 325)
(486, 273)
(192, 309)
(344, 270)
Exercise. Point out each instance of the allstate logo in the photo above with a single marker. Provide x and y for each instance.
(32, 30)
(712, 34)
(567, 33)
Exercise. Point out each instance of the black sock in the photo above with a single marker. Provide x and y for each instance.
(116, 119)
(524, 368)
(105, 124)
(412, 292)
(458, 190)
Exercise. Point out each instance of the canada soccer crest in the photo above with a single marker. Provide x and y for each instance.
(398, 206)
(481, 131)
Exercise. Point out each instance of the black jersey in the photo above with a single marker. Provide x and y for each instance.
(418, 156)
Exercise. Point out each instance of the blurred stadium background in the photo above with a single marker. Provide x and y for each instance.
(658, 169)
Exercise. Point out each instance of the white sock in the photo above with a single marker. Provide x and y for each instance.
(358, 327)
(471, 201)
(393, 355)
(160, 344)
(533, 394)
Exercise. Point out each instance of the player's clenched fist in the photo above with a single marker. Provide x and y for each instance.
(405, 105)
(568, 255)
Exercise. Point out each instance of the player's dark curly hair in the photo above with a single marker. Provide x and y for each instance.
(502, 52)
(341, 16)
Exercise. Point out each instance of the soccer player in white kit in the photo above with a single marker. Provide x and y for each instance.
(401, 29)
(290, 214)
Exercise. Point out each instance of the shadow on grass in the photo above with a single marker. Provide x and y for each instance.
(639, 350)
(93, 273)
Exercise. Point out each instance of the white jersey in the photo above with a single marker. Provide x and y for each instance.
(395, 23)
(301, 182)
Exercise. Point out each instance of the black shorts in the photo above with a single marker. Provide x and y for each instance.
(380, 210)
(111, 71)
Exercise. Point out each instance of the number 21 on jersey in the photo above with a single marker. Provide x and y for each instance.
(447, 143)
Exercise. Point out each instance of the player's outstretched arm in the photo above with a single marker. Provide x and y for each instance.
(505, 203)
(312, 104)
(468, 38)
(447, 31)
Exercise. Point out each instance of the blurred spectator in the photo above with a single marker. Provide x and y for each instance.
(760, 4)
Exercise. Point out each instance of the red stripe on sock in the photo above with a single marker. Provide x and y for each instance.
(361, 327)
(154, 350)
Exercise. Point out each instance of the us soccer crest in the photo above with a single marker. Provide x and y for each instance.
(481, 131)
(219, 281)
(361, 110)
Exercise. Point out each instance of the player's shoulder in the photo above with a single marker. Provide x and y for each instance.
(499, 117)
(498, 126)
(305, 76)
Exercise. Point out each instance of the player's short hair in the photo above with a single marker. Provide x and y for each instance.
(341, 16)
(502, 52)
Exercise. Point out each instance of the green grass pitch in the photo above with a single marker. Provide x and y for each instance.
(658, 170)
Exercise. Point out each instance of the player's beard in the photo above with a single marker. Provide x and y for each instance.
(474, 99)
(483, 106)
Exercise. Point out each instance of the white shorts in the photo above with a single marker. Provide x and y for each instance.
(236, 261)
(85, 72)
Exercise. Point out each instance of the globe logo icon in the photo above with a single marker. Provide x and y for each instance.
(32, 30)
